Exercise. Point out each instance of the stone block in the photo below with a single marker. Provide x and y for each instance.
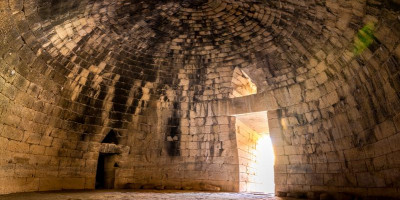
(282, 96)
(378, 148)
(312, 195)
(10, 91)
(46, 141)
(365, 180)
(51, 151)
(310, 84)
(385, 129)
(292, 150)
(342, 196)
(16, 146)
(296, 179)
(281, 194)
(222, 120)
(396, 121)
(12, 133)
(329, 100)
(312, 95)
(37, 149)
(321, 78)
(300, 168)
(297, 195)
(3, 143)
(11, 185)
(326, 196)
(297, 159)
(394, 142)
(24, 170)
(209, 187)
(281, 179)
(46, 184)
(284, 160)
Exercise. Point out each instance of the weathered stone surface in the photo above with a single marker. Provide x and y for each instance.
(167, 187)
(297, 195)
(167, 78)
(133, 186)
(159, 187)
(313, 195)
(148, 186)
(281, 194)
(209, 187)
(326, 196)
(343, 196)
(139, 195)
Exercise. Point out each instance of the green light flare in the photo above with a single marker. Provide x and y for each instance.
(365, 37)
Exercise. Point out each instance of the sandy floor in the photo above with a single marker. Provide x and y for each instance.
(135, 195)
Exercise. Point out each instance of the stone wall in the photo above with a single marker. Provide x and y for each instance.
(61, 93)
(247, 145)
(160, 74)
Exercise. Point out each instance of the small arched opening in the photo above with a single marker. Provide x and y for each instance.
(111, 138)
(242, 84)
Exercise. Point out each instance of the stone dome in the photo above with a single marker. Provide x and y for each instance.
(163, 87)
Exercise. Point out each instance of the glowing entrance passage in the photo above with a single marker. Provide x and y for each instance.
(255, 152)
(264, 165)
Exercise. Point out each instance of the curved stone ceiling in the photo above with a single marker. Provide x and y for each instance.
(162, 36)
(72, 70)
(151, 39)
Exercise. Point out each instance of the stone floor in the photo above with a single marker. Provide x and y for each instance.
(136, 195)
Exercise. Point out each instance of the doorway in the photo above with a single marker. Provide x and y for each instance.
(255, 153)
(107, 162)
(105, 175)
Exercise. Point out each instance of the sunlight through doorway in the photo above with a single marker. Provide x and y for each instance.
(264, 165)
(255, 152)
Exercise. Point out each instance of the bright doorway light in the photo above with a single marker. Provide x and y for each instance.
(255, 152)
(264, 165)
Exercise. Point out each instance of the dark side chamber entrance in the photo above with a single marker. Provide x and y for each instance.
(105, 175)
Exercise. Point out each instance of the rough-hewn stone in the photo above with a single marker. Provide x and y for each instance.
(168, 77)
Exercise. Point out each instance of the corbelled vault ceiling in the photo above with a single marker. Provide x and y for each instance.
(160, 76)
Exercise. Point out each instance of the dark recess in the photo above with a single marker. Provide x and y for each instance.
(173, 146)
(111, 138)
(100, 172)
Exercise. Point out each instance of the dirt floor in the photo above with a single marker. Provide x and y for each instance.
(136, 195)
